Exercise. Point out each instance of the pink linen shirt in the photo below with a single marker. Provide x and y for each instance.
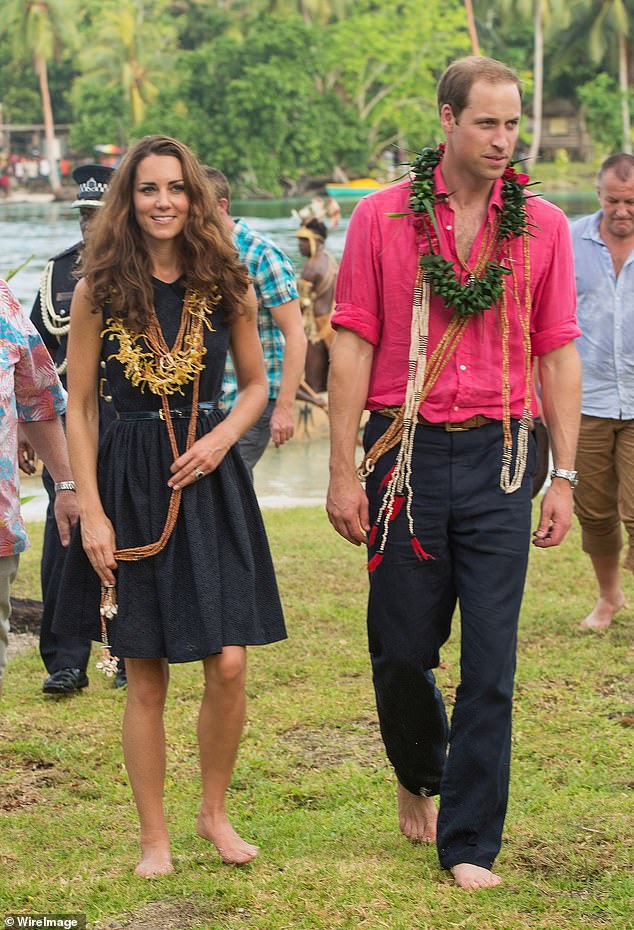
(375, 291)
(29, 390)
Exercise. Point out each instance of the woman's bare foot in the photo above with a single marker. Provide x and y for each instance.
(601, 617)
(232, 848)
(417, 816)
(474, 877)
(156, 858)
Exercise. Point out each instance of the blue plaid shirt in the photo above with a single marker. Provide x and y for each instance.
(273, 277)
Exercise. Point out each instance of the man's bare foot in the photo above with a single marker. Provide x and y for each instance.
(602, 615)
(417, 816)
(474, 877)
(156, 859)
(232, 848)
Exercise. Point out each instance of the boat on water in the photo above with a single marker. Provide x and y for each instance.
(358, 188)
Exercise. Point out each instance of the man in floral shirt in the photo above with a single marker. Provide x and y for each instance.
(30, 394)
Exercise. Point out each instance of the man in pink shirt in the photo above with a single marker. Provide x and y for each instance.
(450, 284)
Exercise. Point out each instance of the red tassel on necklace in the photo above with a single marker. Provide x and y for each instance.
(420, 552)
(372, 535)
(387, 478)
(375, 561)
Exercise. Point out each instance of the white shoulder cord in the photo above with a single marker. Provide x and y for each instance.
(55, 324)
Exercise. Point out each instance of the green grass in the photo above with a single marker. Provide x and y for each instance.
(312, 786)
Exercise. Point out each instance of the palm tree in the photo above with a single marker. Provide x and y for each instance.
(129, 51)
(612, 23)
(542, 12)
(38, 29)
(473, 32)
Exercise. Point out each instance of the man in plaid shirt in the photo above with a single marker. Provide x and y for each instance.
(280, 327)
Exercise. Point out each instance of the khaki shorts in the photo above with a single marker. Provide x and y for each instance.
(604, 497)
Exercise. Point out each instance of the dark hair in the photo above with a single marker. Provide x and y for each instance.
(116, 263)
(456, 82)
(220, 183)
(621, 164)
(317, 227)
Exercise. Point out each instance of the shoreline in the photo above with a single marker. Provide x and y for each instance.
(30, 197)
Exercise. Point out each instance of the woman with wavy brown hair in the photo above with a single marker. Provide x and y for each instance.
(172, 562)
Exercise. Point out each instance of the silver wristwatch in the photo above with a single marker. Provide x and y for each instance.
(571, 476)
(65, 486)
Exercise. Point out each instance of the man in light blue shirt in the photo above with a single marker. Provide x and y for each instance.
(604, 268)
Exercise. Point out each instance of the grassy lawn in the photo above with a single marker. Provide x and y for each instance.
(312, 786)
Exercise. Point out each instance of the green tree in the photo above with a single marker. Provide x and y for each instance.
(100, 115)
(611, 26)
(129, 49)
(39, 29)
(311, 11)
(601, 102)
(602, 28)
(258, 109)
(544, 14)
(386, 62)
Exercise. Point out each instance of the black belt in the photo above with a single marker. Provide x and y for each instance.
(176, 413)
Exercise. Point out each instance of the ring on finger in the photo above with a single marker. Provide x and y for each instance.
(198, 474)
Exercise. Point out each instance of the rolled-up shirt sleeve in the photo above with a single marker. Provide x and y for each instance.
(553, 318)
(358, 298)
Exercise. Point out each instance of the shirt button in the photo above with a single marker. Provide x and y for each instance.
(456, 408)
(448, 227)
(463, 368)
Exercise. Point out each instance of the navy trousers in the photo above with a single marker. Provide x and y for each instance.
(478, 538)
(57, 651)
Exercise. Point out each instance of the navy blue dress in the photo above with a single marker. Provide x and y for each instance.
(213, 585)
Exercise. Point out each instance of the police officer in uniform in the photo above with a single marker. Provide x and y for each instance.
(65, 657)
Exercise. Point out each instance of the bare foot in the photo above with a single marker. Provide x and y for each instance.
(602, 615)
(232, 848)
(417, 816)
(156, 859)
(474, 877)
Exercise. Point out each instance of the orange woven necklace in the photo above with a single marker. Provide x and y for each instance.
(164, 371)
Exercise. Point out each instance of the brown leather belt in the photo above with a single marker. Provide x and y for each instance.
(471, 423)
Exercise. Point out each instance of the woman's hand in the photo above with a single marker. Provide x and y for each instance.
(98, 540)
(205, 456)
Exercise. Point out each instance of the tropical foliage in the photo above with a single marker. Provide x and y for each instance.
(273, 91)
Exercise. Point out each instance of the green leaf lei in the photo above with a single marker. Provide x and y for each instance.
(477, 294)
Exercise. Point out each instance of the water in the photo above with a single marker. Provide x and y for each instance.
(36, 231)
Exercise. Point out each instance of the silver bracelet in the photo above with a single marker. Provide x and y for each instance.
(65, 486)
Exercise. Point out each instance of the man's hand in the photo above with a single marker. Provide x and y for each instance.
(27, 458)
(347, 508)
(556, 515)
(282, 423)
(66, 513)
